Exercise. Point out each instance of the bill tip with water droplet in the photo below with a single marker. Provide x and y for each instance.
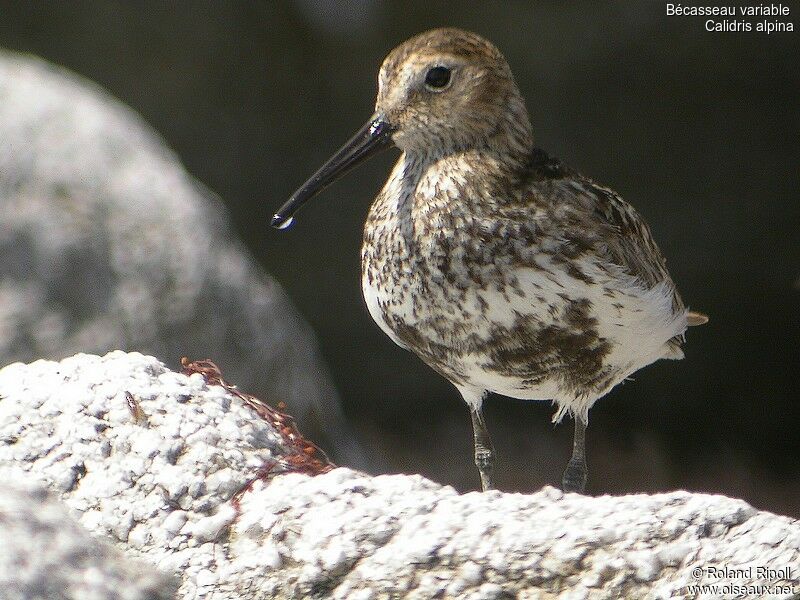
(280, 222)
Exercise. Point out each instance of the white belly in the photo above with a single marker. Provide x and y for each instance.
(637, 323)
(375, 296)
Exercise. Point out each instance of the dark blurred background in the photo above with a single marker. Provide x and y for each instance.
(698, 130)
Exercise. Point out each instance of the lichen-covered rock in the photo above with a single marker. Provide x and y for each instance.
(47, 555)
(108, 243)
(144, 455)
(157, 475)
(346, 535)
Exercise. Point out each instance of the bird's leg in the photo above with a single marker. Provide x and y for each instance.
(484, 451)
(574, 479)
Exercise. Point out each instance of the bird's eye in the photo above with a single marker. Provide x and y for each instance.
(437, 78)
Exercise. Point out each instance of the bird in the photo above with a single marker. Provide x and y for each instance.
(498, 265)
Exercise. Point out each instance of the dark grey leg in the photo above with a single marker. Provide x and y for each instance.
(484, 451)
(574, 479)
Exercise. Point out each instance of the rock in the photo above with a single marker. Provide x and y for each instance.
(344, 534)
(46, 554)
(107, 243)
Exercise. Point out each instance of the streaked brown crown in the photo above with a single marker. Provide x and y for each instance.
(480, 101)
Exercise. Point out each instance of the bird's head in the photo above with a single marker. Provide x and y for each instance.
(443, 91)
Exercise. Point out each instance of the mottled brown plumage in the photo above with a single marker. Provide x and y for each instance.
(500, 267)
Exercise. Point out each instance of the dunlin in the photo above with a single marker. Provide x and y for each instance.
(496, 264)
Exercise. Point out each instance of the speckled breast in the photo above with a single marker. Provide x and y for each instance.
(498, 301)
(416, 289)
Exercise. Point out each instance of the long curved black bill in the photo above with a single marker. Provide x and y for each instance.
(374, 136)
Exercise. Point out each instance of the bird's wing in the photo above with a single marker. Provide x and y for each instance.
(596, 219)
(631, 244)
(634, 246)
(592, 218)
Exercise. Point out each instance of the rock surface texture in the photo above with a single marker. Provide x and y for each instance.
(108, 243)
(46, 554)
(158, 475)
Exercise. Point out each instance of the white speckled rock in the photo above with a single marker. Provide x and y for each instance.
(407, 537)
(161, 488)
(69, 424)
(47, 555)
(108, 243)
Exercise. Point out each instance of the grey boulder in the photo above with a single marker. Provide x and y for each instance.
(106, 242)
(47, 555)
(167, 466)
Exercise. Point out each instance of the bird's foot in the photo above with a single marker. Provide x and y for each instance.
(484, 460)
(574, 479)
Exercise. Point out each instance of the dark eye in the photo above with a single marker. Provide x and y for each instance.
(437, 78)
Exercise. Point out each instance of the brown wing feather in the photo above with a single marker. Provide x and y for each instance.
(621, 229)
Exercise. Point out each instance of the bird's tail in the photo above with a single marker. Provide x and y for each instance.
(695, 318)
